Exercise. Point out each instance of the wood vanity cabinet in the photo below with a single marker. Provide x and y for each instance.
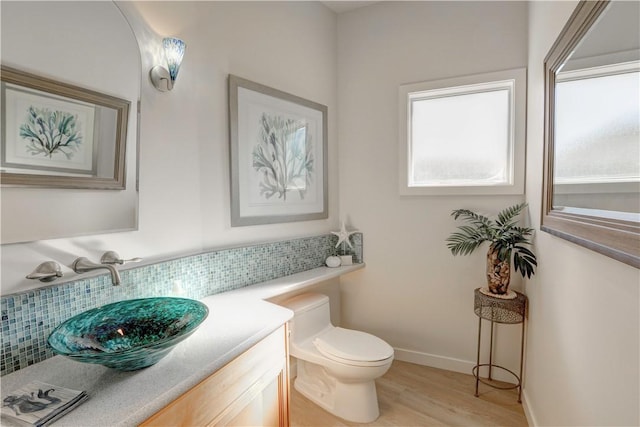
(251, 390)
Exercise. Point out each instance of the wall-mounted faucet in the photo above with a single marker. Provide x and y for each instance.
(48, 271)
(82, 265)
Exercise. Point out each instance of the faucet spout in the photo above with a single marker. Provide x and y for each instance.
(82, 265)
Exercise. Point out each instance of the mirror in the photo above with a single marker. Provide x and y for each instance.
(591, 192)
(59, 135)
(91, 67)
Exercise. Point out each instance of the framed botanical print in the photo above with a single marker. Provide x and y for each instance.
(278, 155)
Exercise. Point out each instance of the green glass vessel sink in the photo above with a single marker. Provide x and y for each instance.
(128, 335)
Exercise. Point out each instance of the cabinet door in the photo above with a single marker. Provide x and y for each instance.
(250, 390)
(263, 410)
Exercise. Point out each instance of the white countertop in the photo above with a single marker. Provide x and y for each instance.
(237, 320)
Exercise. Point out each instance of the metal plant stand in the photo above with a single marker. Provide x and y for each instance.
(496, 310)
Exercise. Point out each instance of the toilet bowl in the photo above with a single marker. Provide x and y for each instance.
(336, 366)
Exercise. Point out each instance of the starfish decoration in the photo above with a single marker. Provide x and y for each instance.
(343, 235)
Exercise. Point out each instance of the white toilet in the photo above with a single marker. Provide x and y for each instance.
(336, 367)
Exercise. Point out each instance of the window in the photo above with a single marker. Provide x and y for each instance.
(463, 135)
(597, 154)
(597, 125)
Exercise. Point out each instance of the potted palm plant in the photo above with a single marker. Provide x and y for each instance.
(506, 242)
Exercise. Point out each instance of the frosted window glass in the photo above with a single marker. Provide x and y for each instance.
(461, 139)
(597, 129)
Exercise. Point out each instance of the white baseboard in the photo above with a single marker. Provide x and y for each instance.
(447, 363)
(528, 412)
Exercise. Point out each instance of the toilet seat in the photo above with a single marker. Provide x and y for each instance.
(353, 347)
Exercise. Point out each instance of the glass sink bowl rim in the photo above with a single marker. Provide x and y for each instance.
(75, 338)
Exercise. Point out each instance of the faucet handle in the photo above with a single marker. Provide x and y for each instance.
(112, 257)
(48, 271)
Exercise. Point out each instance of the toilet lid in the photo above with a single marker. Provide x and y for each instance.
(352, 345)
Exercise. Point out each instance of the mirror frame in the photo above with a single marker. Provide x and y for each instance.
(614, 238)
(115, 182)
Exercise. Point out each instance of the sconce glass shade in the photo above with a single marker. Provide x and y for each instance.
(163, 78)
(174, 51)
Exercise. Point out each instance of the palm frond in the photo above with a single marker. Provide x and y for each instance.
(506, 218)
(465, 241)
(479, 221)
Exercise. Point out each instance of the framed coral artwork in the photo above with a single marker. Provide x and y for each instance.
(47, 133)
(54, 134)
(278, 155)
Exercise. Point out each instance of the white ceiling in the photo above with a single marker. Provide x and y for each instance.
(345, 6)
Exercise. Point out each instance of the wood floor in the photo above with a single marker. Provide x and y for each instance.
(415, 395)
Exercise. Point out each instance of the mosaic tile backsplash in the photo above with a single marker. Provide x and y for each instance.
(29, 317)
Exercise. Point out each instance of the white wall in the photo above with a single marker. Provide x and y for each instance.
(414, 293)
(184, 156)
(243, 38)
(584, 326)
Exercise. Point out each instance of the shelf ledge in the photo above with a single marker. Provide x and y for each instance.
(294, 282)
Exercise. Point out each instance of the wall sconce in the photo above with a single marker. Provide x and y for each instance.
(162, 78)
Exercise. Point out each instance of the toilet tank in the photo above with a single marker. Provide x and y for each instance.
(311, 314)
